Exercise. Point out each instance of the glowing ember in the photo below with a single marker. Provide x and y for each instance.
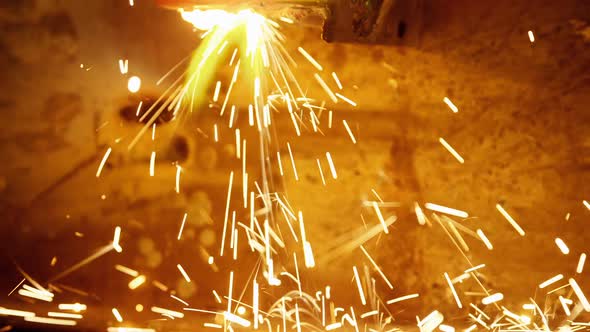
(134, 84)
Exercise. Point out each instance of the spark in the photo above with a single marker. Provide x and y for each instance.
(308, 255)
(562, 246)
(251, 116)
(510, 219)
(182, 226)
(229, 188)
(35, 295)
(485, 239)
(103, 162)
(332, 167)
(377, 267)
(475, 268)
(17, 286)
(451, 150)
(53, 261)
(286, 20)
(369, 314)
(129, 329)
(292, 162)
(471, 328)
(238, 144)
(531, 36)
(236, 319)
(177, 186)
(76, 307)
(564, 305)
(580, 294)
(581, 262)
(330, 119)
(446, 210)
(64, 315)
(325, 87)
(233, 57)
(215, 134)
(231, 116)
(310, 58)
(347, 100)
(349, 131)
(403, 298)
(446, 328)
(222, 47)
(117, 315)
(134, 84)
(380, 217)
(297, 273)
(17, 313)
(333, 326)
(551, 281)
(337, 80)
(586, 204)
(297, 321)
(478, 320)
(359, 286)
(492, 298)
(455, 295)
(126, 270)
(51, 321)
(229, 296)
(255, 299)
(179, 299)
(419, 214)
(280, 163)
(451, 105)
(321, 172)
(183, 272)
(212, 325)
(528, 306)
(217, 298)
(152, 163)
(557, 289)
(131, 3)
(163, 311)
(241, 310)
(116, 239)
(431, 322)
(217, 89)
(124, 65)
(136, 282)
(42, 292)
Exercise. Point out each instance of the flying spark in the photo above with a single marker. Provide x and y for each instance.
(447, 210)
(451, 150)
(134, 84)
(510, 219)
(117, 315)
(183, 272)
(451, 105)
(136, 282)
(562, 246)
(551, 281)
(581, 263)
(492, 298)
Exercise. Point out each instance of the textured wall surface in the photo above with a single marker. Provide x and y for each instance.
(523, 128)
